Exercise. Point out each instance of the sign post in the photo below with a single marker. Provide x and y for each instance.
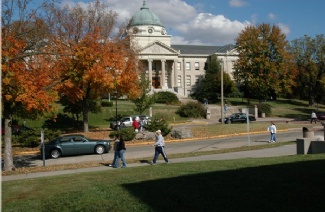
(43, 146)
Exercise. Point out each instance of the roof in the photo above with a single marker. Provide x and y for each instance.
(145, 17)
(204, 50)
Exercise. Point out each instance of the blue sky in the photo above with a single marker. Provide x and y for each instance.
(218, 22)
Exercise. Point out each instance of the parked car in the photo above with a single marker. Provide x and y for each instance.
(128, 120)
(75, 145)
(238, 118)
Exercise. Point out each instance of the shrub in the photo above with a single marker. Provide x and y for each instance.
(165, 97)
(32, 138)
(127, 133)
(107, 104)
(63, 122)
(159, 123)
(191, 110)
(264, 108)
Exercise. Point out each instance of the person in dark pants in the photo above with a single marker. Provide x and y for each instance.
(272, 130)
(313, 117)
(120, 153)
(159, 148)
(116, 143)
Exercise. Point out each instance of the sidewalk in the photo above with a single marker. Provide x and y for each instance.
(269, 152)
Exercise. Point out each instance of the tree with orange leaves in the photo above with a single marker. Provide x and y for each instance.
(96, 61)
(69, 51)
(28, 70)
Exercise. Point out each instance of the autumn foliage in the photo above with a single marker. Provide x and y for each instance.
(264, 67)
(69, 51)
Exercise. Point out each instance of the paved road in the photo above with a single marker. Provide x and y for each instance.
(171, 148)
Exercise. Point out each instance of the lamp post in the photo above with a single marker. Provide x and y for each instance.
(116, 107)
(117, 73)
(222, 106)
(116, 104)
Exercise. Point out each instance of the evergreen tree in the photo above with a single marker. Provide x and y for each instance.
(209, 86)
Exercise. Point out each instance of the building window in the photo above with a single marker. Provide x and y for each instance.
(197, 78)
(188, 66)
(197, 66)
(205, 66)
(178, 66)
(188, 80)
(179, 80)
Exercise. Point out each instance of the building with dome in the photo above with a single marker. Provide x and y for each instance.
(174, 68)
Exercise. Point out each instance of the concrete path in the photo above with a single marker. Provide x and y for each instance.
(269, 152)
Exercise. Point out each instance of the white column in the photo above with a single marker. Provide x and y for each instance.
(183, 78)
(174, 79)
(163, 75)
(150, 72)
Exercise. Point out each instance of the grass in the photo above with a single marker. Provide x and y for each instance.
(287, 108)
(290, 183)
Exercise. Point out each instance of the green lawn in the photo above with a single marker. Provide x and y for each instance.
(290, 183)
(281, 108)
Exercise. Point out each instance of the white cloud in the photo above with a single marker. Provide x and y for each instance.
(254, 19)
(183, 21)
(210, 29)
(237, 3)
(272, 16)
(284, 28)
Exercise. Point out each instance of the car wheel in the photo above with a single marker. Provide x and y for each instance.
(55, 153)
(100, 149)
(228, 121)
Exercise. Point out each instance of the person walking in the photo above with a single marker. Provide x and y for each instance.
(313, 117)
(135, 124)
(120, 149)
(159, 148)
(116, 142)
(272, 130)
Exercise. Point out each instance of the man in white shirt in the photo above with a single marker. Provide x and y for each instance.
(272, 130)
(159, 148)
(313, 117)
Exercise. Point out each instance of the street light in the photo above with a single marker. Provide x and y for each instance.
(116, 104)
(222, 107)
(117, 72)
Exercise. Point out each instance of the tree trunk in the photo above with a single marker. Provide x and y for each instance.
(8, 158)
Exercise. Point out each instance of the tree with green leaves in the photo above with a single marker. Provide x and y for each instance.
(144, 100)
(309, 56)
(209, 86)
(264, 66)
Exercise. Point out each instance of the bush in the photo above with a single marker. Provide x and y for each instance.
(127, 134)
(191, 110)
(32, 138)
(264, 108)
(107, 104)
(63, 122)
(166, 97)
(159, 123)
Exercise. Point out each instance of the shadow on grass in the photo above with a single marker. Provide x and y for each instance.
(296, 186)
